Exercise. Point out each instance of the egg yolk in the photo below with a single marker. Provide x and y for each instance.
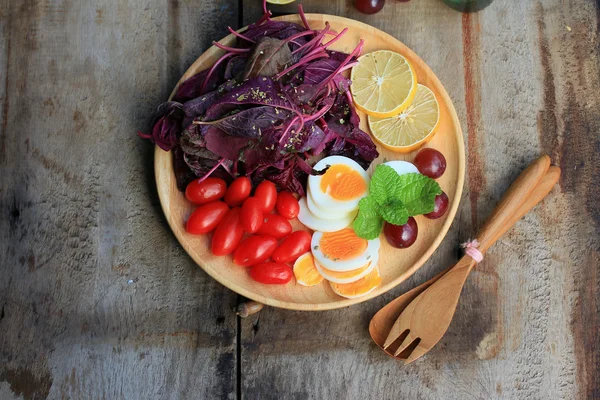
(343, 183)
(342, 245)
(305, 271)
(346, 274)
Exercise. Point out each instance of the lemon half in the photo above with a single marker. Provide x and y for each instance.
(384, 83)
(411, 128)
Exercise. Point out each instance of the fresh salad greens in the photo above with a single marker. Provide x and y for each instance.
(393, 198)
(268, 108)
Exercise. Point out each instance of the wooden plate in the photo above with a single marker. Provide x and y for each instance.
(395, 265)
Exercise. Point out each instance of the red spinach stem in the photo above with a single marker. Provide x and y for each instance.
(356, 51)
(298, 35)
(336, 38)
(302, 16)
(303, 61)
(317, 40)
(240, 35)
(212, 70)
(310, 44)
(230, 49)
(211, 170)
(324, 46)
(318, 114)
(266, 16)
(289, 127)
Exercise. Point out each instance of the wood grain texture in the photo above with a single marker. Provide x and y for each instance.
(523, 76)
(96, 298)
(393, 270)
(77, 78)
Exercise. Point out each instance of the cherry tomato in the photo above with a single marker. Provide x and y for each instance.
(292, 247)
(401, 236)
(441, 205)
(228, 234)
(431, 163)
(238, 191)
(271, 273)
(266, 192)
(202, 192)
(252, 215)
(287, 205)
(254, 250)
(206, 218)
(275, 226)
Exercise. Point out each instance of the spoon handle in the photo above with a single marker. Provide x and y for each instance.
(503, 216)
(543, 187)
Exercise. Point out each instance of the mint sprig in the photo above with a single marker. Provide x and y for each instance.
(368, 221)
(393, 198)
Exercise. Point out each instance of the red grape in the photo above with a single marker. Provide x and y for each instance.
(369, 6)
(441, 205)
(401, 236)
(431, 163)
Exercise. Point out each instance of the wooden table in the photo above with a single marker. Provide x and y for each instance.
(98, 300)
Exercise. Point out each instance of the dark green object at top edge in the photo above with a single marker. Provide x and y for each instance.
(468, 5)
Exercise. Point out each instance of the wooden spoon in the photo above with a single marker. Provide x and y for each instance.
(530, 188)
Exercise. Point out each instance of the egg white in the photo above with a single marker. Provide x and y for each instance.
(369, 254)
(324, 225)
(367, 271)
(328, 214)
(324, 200)
(333, 287)
(402, 167)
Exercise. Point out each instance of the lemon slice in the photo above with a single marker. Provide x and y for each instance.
(280, 1)
(383, 83)
(411, 128)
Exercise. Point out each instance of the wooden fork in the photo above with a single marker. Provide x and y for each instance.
(425, 320)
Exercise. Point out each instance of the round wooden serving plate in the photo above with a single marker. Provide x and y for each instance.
(395, 265)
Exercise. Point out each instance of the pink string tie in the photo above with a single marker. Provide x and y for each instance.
(472, 251)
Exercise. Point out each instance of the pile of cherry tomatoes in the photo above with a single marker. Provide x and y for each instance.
(247, 227)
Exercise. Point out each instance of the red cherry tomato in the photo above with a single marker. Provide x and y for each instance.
(252, 215)
(271, 273)
(275, 226)
(292, 247)
(202, 192)
(206, 218)
(228, 234)
(266, 192)
(254, 250)
(287, 205)
(238, 191)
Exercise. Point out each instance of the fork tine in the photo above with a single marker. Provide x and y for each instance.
(416, 353)
(392, 347)
(408, 340)
(394, 334)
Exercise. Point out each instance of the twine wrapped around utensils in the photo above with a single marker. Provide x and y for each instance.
(472, 251)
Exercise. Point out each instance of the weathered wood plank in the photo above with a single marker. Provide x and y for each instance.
(524, 78)
(97, 300)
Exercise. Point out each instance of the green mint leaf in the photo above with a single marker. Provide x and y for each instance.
(383, 184)
(368, 224)
(417, 192)
(394, 213)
